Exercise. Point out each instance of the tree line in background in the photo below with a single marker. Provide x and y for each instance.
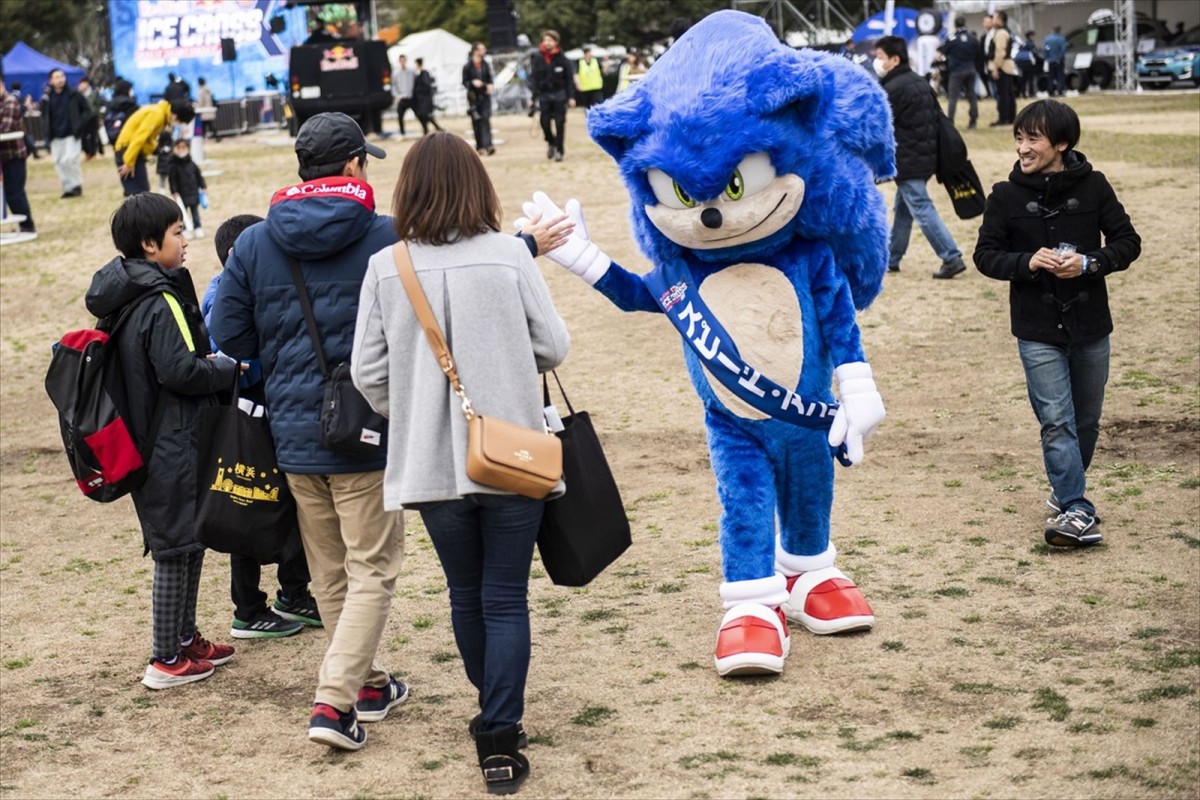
(633, 23)
(72, 31)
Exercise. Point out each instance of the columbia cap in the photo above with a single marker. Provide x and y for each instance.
(332, 138)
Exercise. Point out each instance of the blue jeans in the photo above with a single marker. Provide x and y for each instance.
(912, 202)
(485, 543)
(1066, 390)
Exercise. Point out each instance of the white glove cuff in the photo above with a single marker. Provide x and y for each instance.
(856, 386)
(596, 269)
(852, 370)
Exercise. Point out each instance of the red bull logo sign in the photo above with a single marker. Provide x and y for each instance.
(338, 58)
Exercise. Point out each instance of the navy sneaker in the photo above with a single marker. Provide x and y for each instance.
(331, 727)
(374, 703)
(264, 625)
(303, 610)
(1074, 528)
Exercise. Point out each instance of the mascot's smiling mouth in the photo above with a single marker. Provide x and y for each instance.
(706, 226)
(755, 225)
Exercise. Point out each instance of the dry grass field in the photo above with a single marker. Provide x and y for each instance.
(998, 668)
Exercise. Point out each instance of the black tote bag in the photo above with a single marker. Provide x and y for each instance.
(586, 529)
(243, 505)
(955, 172)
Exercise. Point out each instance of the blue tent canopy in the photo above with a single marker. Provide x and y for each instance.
(32, 69)
(905, 24)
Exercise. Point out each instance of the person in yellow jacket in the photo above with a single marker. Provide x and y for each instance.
(139, 138)
(589, 80)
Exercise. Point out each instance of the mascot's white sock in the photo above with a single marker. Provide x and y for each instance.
(790, 565)
(770, 592)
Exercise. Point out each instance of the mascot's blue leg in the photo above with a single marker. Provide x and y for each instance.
(742, 464)
(753, 638)
(820, 596)
(803, 488)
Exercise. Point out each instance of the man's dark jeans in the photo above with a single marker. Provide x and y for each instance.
(554, 110)
(962, 81)
(485, 543)
(139, 181)
(14, 192)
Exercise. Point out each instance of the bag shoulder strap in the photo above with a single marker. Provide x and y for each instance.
(429, 323)
(561, 390)
(309, 319)
(159, 404)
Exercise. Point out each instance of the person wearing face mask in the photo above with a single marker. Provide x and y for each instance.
(915, 114)
(1041, 233)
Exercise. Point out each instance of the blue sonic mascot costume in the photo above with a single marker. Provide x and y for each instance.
(751, 167)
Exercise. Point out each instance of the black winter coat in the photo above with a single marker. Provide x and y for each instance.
(553, 81)
(915, 114)
(185, 180)
(1028, 212)
(156, 362)
(80, 118)
(424, 89)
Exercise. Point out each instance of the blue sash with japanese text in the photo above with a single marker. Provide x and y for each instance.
(673, 288)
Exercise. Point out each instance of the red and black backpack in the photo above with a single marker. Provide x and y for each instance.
(86, 386)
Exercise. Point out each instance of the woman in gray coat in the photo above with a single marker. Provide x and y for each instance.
(502, 328)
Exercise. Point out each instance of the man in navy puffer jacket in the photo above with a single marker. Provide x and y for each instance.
(328, 224)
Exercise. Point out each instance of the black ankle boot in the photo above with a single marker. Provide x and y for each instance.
(473, 729)
(504, 767)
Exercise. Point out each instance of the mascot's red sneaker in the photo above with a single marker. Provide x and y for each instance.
(753, 640)
(826, 601)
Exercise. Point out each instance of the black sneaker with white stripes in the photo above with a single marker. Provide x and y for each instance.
(1074, 528)
(265, 625)
(1055, 506)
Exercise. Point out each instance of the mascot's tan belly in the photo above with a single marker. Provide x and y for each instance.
(758, 306)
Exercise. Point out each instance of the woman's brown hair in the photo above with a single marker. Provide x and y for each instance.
(443, 193)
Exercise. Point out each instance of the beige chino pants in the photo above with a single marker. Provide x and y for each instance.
(354, 549)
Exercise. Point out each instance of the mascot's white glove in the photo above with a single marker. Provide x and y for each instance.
(578, 254)
(861, 408)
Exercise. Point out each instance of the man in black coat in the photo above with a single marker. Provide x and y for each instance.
(67, 116)
(552, 81)
(961, 51)
(477, 80)
(1041, 233)
(915, 114)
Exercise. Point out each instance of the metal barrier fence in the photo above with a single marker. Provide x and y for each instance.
(262, 111)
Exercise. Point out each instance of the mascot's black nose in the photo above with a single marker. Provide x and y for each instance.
(711, 218)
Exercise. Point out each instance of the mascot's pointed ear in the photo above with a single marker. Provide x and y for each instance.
(620, 121)
(781, 80)
(833, 92)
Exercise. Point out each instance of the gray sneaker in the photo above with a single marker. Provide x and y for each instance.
(1074, 528)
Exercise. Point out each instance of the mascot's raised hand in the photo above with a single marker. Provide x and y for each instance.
(753, 189)
(578, 254)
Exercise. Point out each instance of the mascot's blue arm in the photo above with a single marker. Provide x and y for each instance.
(626, 290)
(835, 308)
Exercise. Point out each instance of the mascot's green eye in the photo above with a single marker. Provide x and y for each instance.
(683, 196)
(736, 187)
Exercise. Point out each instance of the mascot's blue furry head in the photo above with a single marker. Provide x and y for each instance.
(734, 144)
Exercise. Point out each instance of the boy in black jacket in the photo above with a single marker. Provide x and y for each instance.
(169, 374)
(1041, 233)
(186, 183)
